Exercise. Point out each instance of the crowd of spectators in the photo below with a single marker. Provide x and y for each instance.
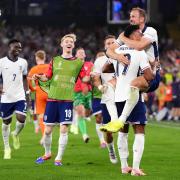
(162, 104)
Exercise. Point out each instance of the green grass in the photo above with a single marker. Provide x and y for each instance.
(161, 159)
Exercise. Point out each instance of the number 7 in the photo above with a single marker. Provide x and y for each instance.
(14, 77)
(126, 66)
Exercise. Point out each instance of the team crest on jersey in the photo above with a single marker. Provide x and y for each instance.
(20, 68)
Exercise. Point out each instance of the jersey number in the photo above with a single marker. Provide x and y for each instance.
(14, 77)
(126, 66)
(68, 113)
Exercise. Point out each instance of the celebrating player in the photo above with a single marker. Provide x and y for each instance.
(12, 70)
(125, 74)
(62, 74)
(148, 42)
(102, 78)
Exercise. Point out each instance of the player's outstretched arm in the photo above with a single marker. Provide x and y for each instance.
(138, 45)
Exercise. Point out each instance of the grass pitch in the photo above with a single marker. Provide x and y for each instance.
(161, 159)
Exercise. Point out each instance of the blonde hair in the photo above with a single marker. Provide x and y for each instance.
(142, 12)
(40, 54)
(73, 36)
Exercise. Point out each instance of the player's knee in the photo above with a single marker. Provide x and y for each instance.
(21, 118)
(109, 138)
(139, 129)
(64, 128)
(7, 121)
(98, 119)
(47, 131)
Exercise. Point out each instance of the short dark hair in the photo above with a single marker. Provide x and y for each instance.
(108, 37)
(12, 41)
(130, 29)
(79, 48)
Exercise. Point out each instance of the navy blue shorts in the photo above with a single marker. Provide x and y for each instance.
(138, 114)
(58, 112)
(154, 84)
(7, 109)
(96, 106)
(105, 114)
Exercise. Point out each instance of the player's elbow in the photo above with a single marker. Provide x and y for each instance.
(148, 74)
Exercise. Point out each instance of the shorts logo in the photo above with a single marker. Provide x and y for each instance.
(45, 117)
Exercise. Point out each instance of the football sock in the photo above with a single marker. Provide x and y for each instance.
(36, 125)
(82, 125)
(122, 143)
(19, 127)
(99, 133)
(63, 139)
(5, 135)
(110, 103)
(138, 148)
(47, 143)
(130, 103)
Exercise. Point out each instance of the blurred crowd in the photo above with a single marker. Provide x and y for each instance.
(164, 104)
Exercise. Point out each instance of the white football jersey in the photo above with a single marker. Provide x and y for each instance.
(138, 60)
(151, 51)
(12, 75)
(98, 66)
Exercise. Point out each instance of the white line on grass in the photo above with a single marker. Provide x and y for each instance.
(164, 126)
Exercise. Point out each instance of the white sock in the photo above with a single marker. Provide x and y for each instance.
(108, 98)
(110, 147)
(130, 103)
(122, 143)
(36, 124)
(111, 107)
(63, 139)
(5, 135)
(19, 127)
(47, 143)
(138, 148)
(99, 133)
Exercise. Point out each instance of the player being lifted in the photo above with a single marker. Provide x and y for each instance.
(125, 74)
(62, 74)
(148, 42)
(12, 70)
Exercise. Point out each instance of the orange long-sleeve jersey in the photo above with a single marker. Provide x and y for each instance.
(41, 96)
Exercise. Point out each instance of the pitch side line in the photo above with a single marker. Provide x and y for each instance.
(164, 126)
